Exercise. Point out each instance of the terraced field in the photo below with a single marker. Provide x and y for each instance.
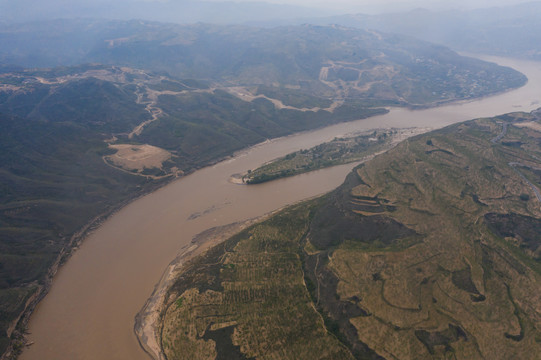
(249, 298)
(430, 251)
(428, 262)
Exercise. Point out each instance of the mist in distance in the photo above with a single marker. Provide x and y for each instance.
(181, 11)
(219, 11)
(510, 30)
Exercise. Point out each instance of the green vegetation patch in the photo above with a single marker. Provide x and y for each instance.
(336, 152)
(12, 303)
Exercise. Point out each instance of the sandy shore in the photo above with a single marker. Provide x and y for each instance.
(147, 321)
(237, 179)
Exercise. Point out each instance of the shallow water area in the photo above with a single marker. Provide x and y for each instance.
(89, 312)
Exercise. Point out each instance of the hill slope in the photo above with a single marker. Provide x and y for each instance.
(327, 61)
(429, 251)
(77, 143)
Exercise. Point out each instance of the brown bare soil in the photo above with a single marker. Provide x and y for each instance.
(138, 157)
(530, 125)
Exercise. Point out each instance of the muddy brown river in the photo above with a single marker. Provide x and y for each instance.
(89, 312)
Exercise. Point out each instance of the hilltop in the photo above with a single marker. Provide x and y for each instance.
(332, 62)
(429, 251)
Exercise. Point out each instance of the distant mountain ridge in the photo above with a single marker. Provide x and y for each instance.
(326, 61)
(513, 31)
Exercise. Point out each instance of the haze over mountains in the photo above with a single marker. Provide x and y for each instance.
(190, 11)
(333, 62)
(506, 28)
(221, 12)
(512, 31)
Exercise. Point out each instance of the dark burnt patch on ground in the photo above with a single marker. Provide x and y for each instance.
(225, 348)
(526, 230)
(336, 312)
(432, 339)
(336, 220)
(462, 280)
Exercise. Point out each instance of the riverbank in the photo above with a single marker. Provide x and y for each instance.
(124, 257)
(147, 322)
(147, 326)
(21, 324)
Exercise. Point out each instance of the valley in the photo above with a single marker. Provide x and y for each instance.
(163, 216)
(98, 113)
(80, 142)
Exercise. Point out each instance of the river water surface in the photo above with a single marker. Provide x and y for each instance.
(89, 312)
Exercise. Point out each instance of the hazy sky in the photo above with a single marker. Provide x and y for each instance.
(187, 11)
(388, 5)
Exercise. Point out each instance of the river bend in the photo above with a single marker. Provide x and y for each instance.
(89, 312)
